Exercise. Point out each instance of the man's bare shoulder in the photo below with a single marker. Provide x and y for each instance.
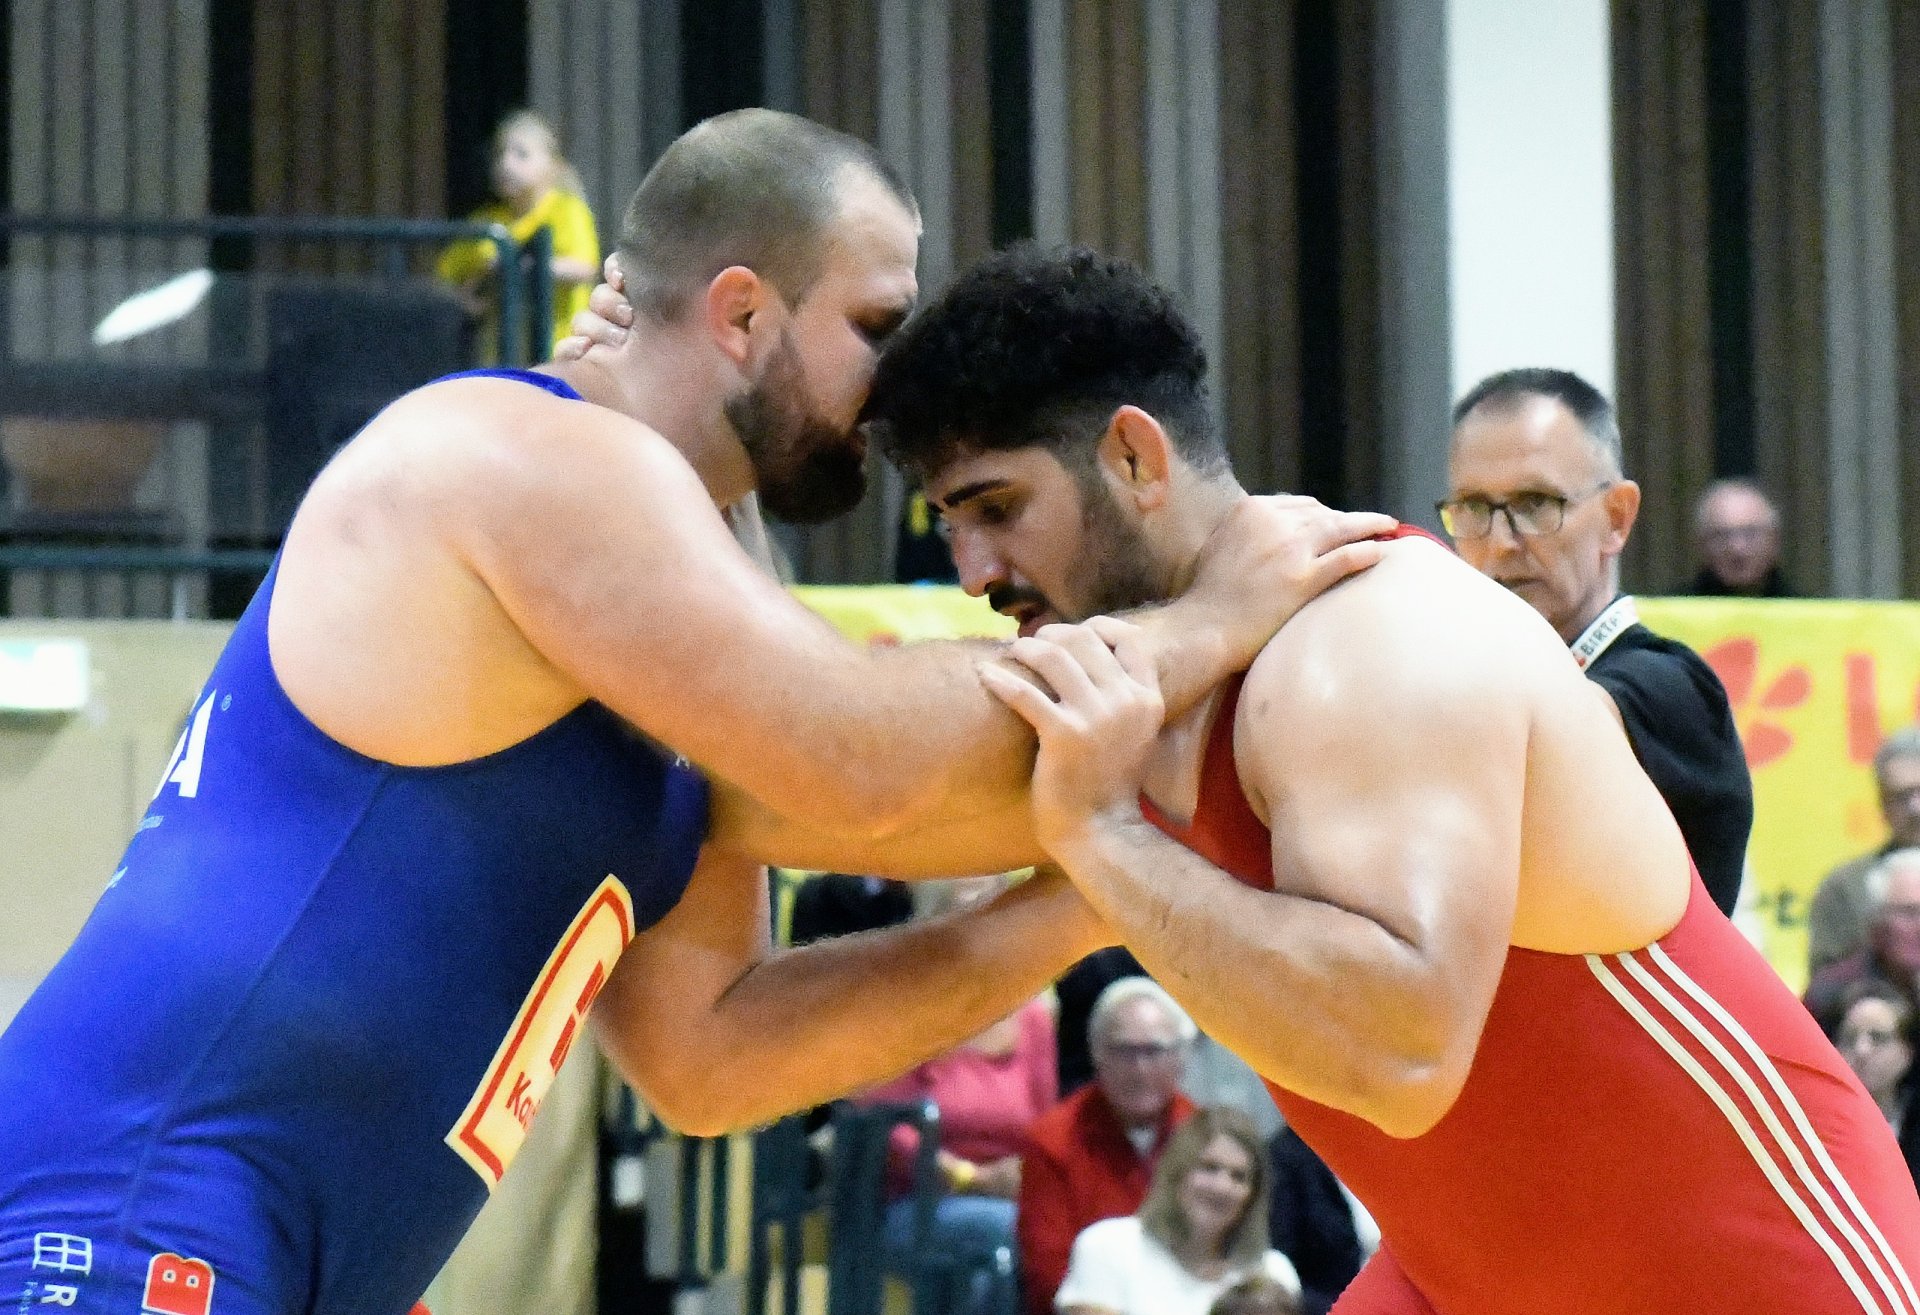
(480, 454)
(477, 420)
(1418, 628)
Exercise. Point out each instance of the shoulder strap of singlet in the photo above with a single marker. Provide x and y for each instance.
(551, 383)
(1225, 830)
(1216, 761)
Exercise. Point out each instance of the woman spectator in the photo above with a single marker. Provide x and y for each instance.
(1879, 1034)
(988, 1091)
(1202, 1229)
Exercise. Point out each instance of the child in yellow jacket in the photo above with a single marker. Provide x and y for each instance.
(537, 188)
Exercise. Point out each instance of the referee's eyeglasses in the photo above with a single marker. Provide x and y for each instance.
(1527, 513)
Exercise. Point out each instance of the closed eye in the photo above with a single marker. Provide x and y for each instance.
(876, 329)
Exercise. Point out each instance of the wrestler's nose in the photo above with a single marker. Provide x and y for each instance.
(978, 565)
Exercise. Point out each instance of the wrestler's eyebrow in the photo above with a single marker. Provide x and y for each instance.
(966, 493)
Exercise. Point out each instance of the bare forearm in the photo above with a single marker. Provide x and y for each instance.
(942, 752)
(808, 1025)
(1314, 997)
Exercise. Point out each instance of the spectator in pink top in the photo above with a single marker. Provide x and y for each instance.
(988, 1091)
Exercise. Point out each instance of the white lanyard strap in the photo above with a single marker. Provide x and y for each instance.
(1606, 628)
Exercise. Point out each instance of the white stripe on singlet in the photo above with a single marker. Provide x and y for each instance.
(1848, 1253)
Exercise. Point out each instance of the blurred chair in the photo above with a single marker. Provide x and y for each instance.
(858, 1264)
(785, 1196)
(336, 353)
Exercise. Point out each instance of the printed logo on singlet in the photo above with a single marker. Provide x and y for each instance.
(69, 1257)
(190, 751)
(495, 1122)
(177, 1286)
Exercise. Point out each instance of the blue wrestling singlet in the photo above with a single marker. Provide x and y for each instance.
(307, 1024)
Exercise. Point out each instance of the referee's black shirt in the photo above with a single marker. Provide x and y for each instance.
(1682, 731)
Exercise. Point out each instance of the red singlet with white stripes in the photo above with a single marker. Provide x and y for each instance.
(1662, 1132)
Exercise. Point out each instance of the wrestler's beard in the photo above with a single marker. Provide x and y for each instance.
(807, 470)
(1118, 563)
(1117, 567)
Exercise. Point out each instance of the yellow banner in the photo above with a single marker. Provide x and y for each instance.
(901, 613)
(1814, 685)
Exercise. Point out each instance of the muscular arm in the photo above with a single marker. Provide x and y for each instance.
(1383, 740)
(606, 553)
(996, 840)
(720, 1031)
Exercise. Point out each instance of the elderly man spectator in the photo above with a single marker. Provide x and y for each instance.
(1091, 1157)
(1891, 955)
(1736, 533)
(1843, 902)
(1537, 500)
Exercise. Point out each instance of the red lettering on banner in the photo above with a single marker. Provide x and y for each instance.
(1863, 707)
(178, 1286)
(1737, 662)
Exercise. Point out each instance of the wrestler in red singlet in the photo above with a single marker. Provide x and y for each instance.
(1662, 1132)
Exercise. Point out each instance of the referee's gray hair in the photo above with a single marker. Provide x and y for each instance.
(1504, 392)
(1129, 989)
(1903, 743)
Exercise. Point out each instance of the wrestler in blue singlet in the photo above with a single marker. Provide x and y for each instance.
(304, 1029)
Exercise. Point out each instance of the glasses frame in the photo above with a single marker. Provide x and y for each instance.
(1447, 508)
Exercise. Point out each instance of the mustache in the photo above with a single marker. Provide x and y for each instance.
(1007, 597)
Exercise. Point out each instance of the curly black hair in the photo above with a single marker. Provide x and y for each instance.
(1037, 347)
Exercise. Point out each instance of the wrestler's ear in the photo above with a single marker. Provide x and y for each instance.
(1137, 457)
(732, 299)
(1622, 503)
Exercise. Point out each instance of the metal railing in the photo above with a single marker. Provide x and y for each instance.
(227, 375)
(522, 309)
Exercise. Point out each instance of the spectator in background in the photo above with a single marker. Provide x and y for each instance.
(1202, 1229)
(1256, 1295)
(537, 189)
(1092, 1156)
(1891, 955)
(989, 1092)
(1315, 1222)
(1736, 535)
(1213, 1074)
(1077, 991)
(1843, 903)
(1878, 1037)
(1538, 502)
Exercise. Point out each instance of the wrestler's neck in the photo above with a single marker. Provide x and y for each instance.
(1179, 530)
(659, 380)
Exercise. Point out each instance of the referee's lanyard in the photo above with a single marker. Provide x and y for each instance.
(1606, 628)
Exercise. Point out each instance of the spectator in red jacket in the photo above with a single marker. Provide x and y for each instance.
(1091, 1157)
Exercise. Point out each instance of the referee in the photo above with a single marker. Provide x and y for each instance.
(1538, 502)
